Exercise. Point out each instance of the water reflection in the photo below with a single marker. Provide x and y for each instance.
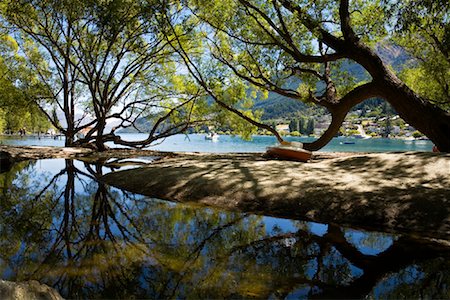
(88, 240)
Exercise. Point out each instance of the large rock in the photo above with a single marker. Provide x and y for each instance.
(28, 290)
(6, 161)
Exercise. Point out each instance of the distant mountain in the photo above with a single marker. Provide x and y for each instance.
(280, 107)
(393, 55)
(276, 107)
(145, 125)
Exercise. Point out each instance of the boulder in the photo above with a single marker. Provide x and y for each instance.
(27, 290)
(6, 161)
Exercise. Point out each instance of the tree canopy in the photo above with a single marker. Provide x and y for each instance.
(104, 62)
(182, 63)
(423, 30)
(271, 44)
(17, 110)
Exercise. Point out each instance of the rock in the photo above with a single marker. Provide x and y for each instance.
(28, 290)
(6, 161)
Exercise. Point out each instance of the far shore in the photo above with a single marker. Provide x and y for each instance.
(401, 137)
(407, 192)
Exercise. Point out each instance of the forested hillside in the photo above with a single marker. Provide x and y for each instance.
(277, 107)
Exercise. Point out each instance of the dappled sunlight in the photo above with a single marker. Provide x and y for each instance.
(407, 192)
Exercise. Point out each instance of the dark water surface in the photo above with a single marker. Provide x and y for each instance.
(59, 226)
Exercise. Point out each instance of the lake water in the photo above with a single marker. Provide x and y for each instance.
(62, 227)
(227, 143)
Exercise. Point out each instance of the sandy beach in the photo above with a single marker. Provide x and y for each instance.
(404, 192)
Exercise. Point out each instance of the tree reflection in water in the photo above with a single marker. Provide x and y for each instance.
(88, 240)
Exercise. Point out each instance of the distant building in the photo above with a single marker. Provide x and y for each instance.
(283, 128)
(51, 131)
(320, 127)
(373, 128)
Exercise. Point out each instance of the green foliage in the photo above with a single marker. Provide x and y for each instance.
(352, 132)
(99, 57)
(423, 30)
(16, 110)
(417, 134)
(293, 125)
(108, 60)
(309, 129)
(279, 108)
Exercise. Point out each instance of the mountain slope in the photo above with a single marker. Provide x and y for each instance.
(280, 107)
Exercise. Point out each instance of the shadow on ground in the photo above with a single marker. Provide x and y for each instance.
(406, 192)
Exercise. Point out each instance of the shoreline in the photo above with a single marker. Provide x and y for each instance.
(44, 152)
(405, 192)
(392, 192)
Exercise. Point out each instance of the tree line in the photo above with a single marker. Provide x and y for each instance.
(103, 65)
(302, 125)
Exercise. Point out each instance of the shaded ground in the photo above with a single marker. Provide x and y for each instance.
(39, 152)
(407, 192)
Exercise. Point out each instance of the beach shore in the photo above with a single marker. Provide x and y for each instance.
(407, 192)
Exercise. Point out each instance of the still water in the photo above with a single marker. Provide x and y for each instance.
(227, 143)
(62, 227)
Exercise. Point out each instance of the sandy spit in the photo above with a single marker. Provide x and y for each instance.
(403, 192)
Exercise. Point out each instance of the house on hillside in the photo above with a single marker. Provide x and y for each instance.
(283, 128)
(320, 127)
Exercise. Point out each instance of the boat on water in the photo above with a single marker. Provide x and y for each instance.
(212, 136)
(289, 152)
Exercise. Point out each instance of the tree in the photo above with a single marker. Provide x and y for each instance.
(266, 43)
(46, 38)
(309, 127)
(387, 127)
(293, 125)
(302, 124)
(16, 110)
(101, 62)
(423, 30)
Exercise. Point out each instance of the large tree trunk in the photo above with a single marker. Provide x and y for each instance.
(419, 113)
(70, 139)
(327, 136)
(70, 132)
(99, 140)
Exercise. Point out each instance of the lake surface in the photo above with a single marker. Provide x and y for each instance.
(62, 227)
(227, 143)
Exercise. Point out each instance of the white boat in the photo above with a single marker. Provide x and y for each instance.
(212, 136)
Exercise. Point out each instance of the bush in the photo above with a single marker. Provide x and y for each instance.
(352, 132)
(417, 134)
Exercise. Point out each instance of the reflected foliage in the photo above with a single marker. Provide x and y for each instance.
(88, 240)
